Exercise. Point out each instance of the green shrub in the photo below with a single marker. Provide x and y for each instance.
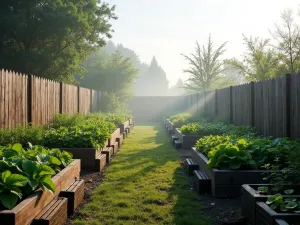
(204, 128)
(249, 152)
(115, 118)
(23, 171)
(180, 118)
(110, 102)
(29, 134)
(65, 120)
(91, 133)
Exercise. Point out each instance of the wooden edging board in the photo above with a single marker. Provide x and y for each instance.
(29, 208)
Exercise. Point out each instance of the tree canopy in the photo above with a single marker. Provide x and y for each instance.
(51, 38)
(205, 66)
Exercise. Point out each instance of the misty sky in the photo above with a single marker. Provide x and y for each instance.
(166, 28)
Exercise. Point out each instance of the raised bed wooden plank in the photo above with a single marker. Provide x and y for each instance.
(128, 129)
(114, 136)
(227, 183)
(173, 139)
(55, 213)
(115, 148)
(123, 126)
(86, 155)
(126, 133)
(108, 152)
(202, 182)
(120, 140)
(177, 144)
(267, 216)
(188, 141)
(100, 162)
(190, 166)
(74, 194)
(29, 208)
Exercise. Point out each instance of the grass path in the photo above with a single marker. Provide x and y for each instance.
(144, 185)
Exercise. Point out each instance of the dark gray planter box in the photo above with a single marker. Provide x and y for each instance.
(267, 216)
(188, 141)
(171, 125)
(281, 222)
(249, 198)
(227, 183)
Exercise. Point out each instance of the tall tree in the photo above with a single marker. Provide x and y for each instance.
(51, 38)
(260, 62)
(111, 74)
(287, 37)
(155, 82)
(205, 66)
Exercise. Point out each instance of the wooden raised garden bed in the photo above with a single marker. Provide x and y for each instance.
(267, 216)
(54, 213)
(108, 152)
(124, 125)
(250, 197)
(91, 158)
(112, 140)
(74, 194)
(29, 208)
(188, 141)
(227, 183)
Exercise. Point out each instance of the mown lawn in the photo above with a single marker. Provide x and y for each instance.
(144, 185)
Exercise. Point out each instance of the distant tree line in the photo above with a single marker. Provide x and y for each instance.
(265, 58)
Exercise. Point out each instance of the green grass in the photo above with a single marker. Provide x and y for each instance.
(144, 185)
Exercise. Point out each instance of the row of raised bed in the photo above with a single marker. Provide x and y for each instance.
(42, 185)
(232, 161)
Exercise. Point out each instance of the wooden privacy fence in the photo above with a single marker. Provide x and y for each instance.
(271, 106)
(29, 99)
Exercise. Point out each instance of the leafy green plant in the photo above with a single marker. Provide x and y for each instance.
(207, 143)
(263, 190)
(204, 128)
(10, 185)
(65, 120)
(23, 171)
(230, 156)
(284, 204)
(181, 118)
(23, 135)
(92, 133)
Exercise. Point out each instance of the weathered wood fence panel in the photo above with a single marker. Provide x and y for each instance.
(223, 104)
(29, 99)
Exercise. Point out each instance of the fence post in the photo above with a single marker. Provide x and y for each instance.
(288, 105)
(29, 99)
(252, 104)
(231, 106)
(216, 103)
(60, 97)
(205, 103)
(78, 98)
(91, 100)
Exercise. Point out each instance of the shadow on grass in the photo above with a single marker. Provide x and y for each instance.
(126, 183)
